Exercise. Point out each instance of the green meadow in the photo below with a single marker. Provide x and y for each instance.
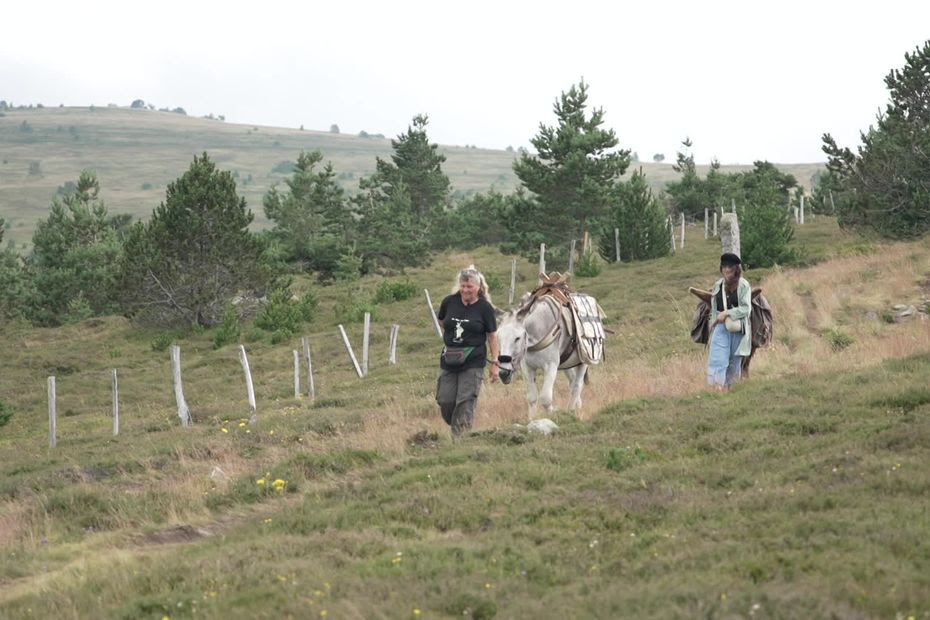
(136, 153)
(802, 493)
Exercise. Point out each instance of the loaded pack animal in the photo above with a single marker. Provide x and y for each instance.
(760, 320)
(554, 329)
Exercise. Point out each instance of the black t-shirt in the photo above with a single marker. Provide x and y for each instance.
(467, 326)
(732, 298)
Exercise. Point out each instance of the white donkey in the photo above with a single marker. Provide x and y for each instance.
(537, 337)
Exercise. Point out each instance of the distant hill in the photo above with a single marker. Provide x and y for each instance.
(137, 152)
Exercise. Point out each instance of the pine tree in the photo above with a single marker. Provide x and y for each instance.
(17, 289)
(573, 173)
(641, 220)
(417, 166)
(885, 186)
(75, 255)
(312, 220)
(687, 192)
(766, 223)
(195, 254)
(388, 234)
(401, 208)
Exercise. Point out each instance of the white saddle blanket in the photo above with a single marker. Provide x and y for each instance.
(588, 319)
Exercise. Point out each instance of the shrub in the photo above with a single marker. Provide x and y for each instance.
(495, 282)
(5, 414)
(307, 306)
(162, 341)
(397, 290)
(78, 309)
(619, 459)
(228, 332)
(284, 167)
(838, 339)
(470, 605)
(353, 309)
(254, 335)
(348, 268)
(281, 335)
(588, 265)
(282, 313)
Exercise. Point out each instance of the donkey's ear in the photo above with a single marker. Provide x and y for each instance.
(498, 313)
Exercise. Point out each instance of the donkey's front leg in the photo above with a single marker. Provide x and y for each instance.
(545, 399)
(532, 395)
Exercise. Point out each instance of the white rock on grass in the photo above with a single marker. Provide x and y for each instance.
(544, 426)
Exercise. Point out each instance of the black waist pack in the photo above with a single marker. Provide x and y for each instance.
(456, 356)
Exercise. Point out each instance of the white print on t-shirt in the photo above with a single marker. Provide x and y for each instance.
(459, 330)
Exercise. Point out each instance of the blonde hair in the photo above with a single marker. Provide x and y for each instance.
(471, 273)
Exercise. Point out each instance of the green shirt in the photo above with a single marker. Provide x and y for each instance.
(741, 312)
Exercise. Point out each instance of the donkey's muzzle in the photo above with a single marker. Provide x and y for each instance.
(506, 373)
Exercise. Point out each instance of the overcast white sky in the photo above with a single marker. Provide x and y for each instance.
(745, 80)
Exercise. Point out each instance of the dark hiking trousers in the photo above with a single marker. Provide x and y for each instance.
(457, 393)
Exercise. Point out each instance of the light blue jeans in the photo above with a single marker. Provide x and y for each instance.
(723, 364)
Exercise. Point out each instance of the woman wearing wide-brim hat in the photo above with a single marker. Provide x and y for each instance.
(730, 331)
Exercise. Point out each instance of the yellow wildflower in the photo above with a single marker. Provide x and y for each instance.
(225, 430)
(260, 481)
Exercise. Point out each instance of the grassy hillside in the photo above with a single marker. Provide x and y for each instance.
(136, 153)
(800, 494)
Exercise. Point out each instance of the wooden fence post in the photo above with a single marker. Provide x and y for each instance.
(715, 222)
(542, 260)
(513, 280)
(705, 222)
(52, 415)
(115, 386)
(248, 383)
(345, 339)
(571, 258)
(671, 230)
(392, 346)
(729, 233)
(802, 209)
(365, 336)
(183, 411)
(311, 389)
(617, 243)
(432, 313)
(296, 374)
(682, 231)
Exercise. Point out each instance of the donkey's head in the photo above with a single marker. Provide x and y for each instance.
(511, 337)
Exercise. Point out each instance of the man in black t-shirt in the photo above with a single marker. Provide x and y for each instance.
(469, 330)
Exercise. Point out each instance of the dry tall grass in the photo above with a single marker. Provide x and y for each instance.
(850, 294)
